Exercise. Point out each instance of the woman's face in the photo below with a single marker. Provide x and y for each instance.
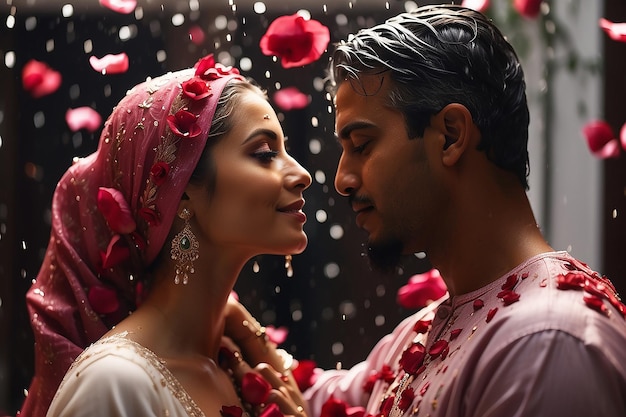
(257, 202)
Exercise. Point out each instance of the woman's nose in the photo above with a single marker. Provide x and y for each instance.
(297, 177)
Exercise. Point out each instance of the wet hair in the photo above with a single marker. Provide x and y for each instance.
(437, 55)
(223, 121)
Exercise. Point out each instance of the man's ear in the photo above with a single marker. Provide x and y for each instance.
(455, 123)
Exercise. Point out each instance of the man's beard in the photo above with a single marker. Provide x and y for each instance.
(385, 256)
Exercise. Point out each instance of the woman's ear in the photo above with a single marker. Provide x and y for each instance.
(457, 127)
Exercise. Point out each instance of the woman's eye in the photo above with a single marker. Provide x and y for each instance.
(265, 156)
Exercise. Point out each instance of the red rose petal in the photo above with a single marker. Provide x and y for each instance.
(413, 358)
(196, 35)
(527, 8)
(478, 304)
(39, 79)
(598, 133)
(478, 5)
(424, 388)
(421, 290)
(117, 252)
(120, 6)
(115, 210)
(422, 326)
(616, 31)
(254, 389)
(103, 300)
(295, 40)
(406, 399)
(276, 335)
(437, 348)
(455, 333)
(510, 283)
(231, 411)
(596, 303)
(271, 410)
(491, 313)
(110, 64)
(83, 118)
(290, 98)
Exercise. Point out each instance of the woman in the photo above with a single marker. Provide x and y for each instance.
(191, 179)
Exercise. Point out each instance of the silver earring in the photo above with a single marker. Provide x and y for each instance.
(184, 250)
(288, 266)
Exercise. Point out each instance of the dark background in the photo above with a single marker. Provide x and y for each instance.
(334, 307)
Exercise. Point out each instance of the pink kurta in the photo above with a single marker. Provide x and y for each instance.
(558, 350)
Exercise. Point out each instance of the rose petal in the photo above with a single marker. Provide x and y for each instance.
(115, 210)
(305, 373)
(491, 313)
(528, 8)
(596, 303)
(255, 389)
(478, 5)
(598, 133)
(295, 40)
(110, 64)
(103, 300)
(421, 290)
(116, 252)
(120, 6)
(271, 410)
(622, 136)
(610, 150)
(39, 79)
(413, 358)
(422, 326)
(616, 31)
(276, 335)
(437, 348)
(196, 35)
(83, 118)
(290, 98)
(231, 411)
(478, 304)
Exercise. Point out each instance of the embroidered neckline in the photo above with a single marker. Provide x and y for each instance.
(169, 380)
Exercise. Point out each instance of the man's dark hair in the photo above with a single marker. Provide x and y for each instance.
(437, 55)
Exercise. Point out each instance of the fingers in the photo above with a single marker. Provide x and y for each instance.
(261, 385)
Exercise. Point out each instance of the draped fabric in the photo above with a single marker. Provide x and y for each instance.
(92, 273)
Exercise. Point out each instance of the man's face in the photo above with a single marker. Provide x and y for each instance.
(387, 175)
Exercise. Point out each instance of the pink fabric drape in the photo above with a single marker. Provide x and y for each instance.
(75, 300)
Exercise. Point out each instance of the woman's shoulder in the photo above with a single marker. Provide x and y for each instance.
(114, 375)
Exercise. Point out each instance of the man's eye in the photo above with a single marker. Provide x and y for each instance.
(360, 148)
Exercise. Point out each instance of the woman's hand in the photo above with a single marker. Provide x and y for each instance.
(263, 385)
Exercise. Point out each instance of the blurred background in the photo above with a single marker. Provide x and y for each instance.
(333, 306)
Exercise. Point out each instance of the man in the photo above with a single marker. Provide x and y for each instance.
(432, 117)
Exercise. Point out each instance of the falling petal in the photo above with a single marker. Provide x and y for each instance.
(609, 150)
(39, 79)
(598, 133)
(196, 34)
(421, 290)
(622, 136)
(527, 8)
(110, 64)
(291, 98)
(120, 6)
(83, 118)
(276, 335)
(616, 31)
(478, 5)
(295, 40)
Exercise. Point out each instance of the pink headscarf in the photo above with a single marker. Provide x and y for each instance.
(111, 214)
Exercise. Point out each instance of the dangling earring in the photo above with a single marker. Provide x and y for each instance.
(184, 250)
(288, 266)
